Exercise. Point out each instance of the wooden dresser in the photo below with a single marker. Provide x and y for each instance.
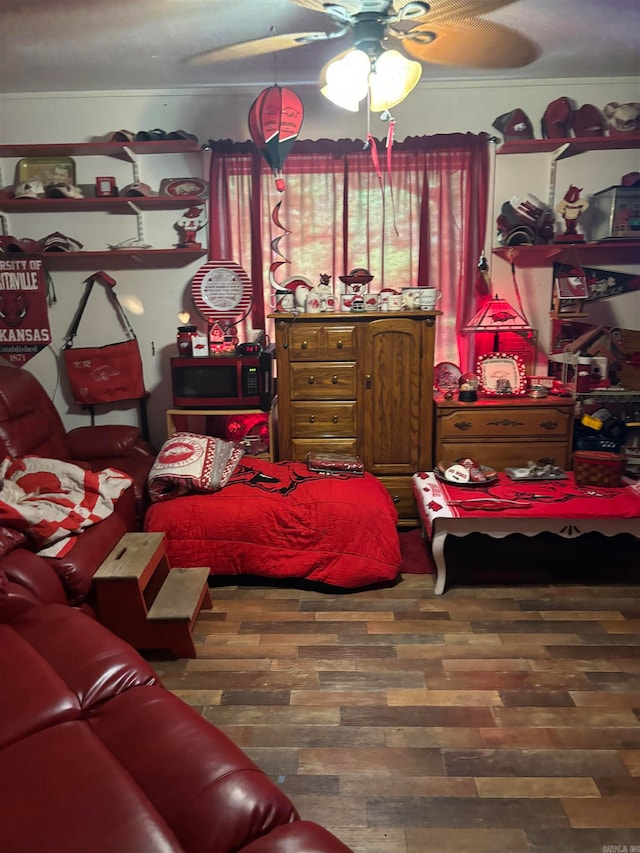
(505, 431)
(359, 384)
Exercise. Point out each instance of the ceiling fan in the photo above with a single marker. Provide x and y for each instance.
(447, 32)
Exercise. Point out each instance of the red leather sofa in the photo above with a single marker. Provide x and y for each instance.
(30, 425)
(95, 754)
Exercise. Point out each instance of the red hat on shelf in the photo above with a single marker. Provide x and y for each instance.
(137, 189)
(514, 125)
(557, 118)
(588, 121)
(631, 179)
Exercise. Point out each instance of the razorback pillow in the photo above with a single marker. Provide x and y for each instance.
(189, 462)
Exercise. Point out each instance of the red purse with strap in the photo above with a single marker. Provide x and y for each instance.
(106, 374)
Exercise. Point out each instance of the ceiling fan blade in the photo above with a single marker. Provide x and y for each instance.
(444, 10)
(352, 7)
(472, 43)
(256, 47)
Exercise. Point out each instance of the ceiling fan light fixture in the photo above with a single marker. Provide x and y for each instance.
(392, 78)
(338, 96)
(347, 80)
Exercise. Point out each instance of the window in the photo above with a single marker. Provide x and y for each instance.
(420, 223)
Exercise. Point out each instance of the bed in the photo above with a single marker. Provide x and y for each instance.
(280, 520)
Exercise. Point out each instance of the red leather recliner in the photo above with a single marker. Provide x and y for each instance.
(30, 425)
(95, 754)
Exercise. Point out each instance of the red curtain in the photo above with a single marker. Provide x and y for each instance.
(421, 223)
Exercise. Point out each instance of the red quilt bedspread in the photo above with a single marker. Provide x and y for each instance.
(280, 520)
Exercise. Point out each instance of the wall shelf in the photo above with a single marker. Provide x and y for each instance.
(120, 150)
(120, 259)
(606, 251)
(117, 204)
(138, 205)
(570, 146)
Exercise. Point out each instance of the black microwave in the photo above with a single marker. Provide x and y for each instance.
(224, 381)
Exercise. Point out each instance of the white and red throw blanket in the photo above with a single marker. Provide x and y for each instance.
(190, 463)
(50, 500)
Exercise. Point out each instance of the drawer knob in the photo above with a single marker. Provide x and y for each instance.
(339, 345)
(334, 379)
(312, 419)
(304, 345)
(311, 380)
(335, 419)
(367, 381)
(462, 425)
(395, 499)
(550, 425)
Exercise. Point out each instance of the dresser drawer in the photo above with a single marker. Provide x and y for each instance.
(316, 342)
(323, 381)
(300, 447)
(333, 420)
(496, 424)
(401, 491)
(506, 454)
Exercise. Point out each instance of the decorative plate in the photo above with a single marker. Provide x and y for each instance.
(184, 187)
(446, 375)
(502, 374)
(222, 292)
(489, 473)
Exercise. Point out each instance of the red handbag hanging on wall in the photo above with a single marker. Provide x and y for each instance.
(106, 374)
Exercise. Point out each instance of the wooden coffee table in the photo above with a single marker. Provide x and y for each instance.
(507, 506)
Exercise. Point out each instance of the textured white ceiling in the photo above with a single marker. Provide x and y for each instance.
(86, 45)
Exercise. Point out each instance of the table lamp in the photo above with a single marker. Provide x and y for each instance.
(497, 315)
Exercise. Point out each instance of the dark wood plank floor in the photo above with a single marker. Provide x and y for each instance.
(502, 719)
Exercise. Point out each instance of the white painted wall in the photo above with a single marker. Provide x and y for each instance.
(154, 298)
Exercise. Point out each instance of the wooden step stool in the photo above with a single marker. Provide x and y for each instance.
(141, 599)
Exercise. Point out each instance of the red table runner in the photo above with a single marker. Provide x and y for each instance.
(534, 498)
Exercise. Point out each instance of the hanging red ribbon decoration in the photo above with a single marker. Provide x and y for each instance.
(371, 145)
(275, 119)
(390, 134)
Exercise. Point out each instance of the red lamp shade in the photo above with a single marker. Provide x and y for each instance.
(497, 315)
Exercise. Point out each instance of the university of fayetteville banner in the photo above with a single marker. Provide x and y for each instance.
(24, 322)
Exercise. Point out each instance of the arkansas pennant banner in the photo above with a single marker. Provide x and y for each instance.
(24, 322)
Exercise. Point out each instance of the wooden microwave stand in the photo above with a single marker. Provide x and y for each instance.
(196, 419)
(359, 384)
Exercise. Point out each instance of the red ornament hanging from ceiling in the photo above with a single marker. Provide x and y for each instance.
(275, 119)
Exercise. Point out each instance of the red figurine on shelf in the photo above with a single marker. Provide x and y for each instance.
(570, 208)
(188, 226)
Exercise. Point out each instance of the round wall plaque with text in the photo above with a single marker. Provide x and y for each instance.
(221, 292)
